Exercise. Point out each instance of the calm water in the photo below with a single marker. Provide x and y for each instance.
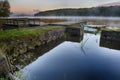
(71, 60)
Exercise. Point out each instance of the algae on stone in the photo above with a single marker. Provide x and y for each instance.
(19, 41)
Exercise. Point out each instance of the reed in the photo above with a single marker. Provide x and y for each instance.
(83, 43)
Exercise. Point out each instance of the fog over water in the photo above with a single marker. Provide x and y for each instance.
(108, 21)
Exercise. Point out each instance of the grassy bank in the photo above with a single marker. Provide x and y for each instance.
(116, 29)
(23, 32)
(22, 39)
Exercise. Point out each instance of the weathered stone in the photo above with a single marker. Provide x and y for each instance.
(73, 31)
(3, 66)
(110, 35)
(110, 39)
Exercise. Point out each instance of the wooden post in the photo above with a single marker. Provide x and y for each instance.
(27, 22)
(17, 23)
(34, 21)
(39, 22)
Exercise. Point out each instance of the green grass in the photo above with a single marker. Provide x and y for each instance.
(1, 53)
(23, 32)
(4, 79)
(83, 43)
(113, 29)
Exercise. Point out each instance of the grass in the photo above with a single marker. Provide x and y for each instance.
(4, 78)
(66, 35)
(83, 43)
(113, 29)
(1, 53)
(22, 32)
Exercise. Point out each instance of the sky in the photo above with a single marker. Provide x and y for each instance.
(28, 6)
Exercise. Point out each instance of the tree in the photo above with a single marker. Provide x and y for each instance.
(4, 8)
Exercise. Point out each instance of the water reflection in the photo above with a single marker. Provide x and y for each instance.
(67, 61)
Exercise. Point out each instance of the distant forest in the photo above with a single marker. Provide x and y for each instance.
(94, 11)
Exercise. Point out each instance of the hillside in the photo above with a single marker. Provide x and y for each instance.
(111, 4)
(95, 11)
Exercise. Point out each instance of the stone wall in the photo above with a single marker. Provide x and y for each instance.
(21, 45)
(74, 31)
(110, 39)
(16, 46)
(110, 35)
(3, 66)
(110, 44)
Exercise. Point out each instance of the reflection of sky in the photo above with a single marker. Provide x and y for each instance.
(67, 61)
(30, 5)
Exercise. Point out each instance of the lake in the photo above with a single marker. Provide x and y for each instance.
(109, 21)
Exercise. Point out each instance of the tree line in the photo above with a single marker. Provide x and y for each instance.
(94, 11)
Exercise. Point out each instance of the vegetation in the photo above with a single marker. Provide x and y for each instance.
(83, 43)
(4, 8)
(95, 11)
(24, 38)
(4, 78)
(23, 32)
(113, 29)
(18, 41)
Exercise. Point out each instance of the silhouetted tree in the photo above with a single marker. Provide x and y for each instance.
(4, 8)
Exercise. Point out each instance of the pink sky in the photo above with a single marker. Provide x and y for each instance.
(28, 6)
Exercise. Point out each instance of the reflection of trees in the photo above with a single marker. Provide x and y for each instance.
(4, 8)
